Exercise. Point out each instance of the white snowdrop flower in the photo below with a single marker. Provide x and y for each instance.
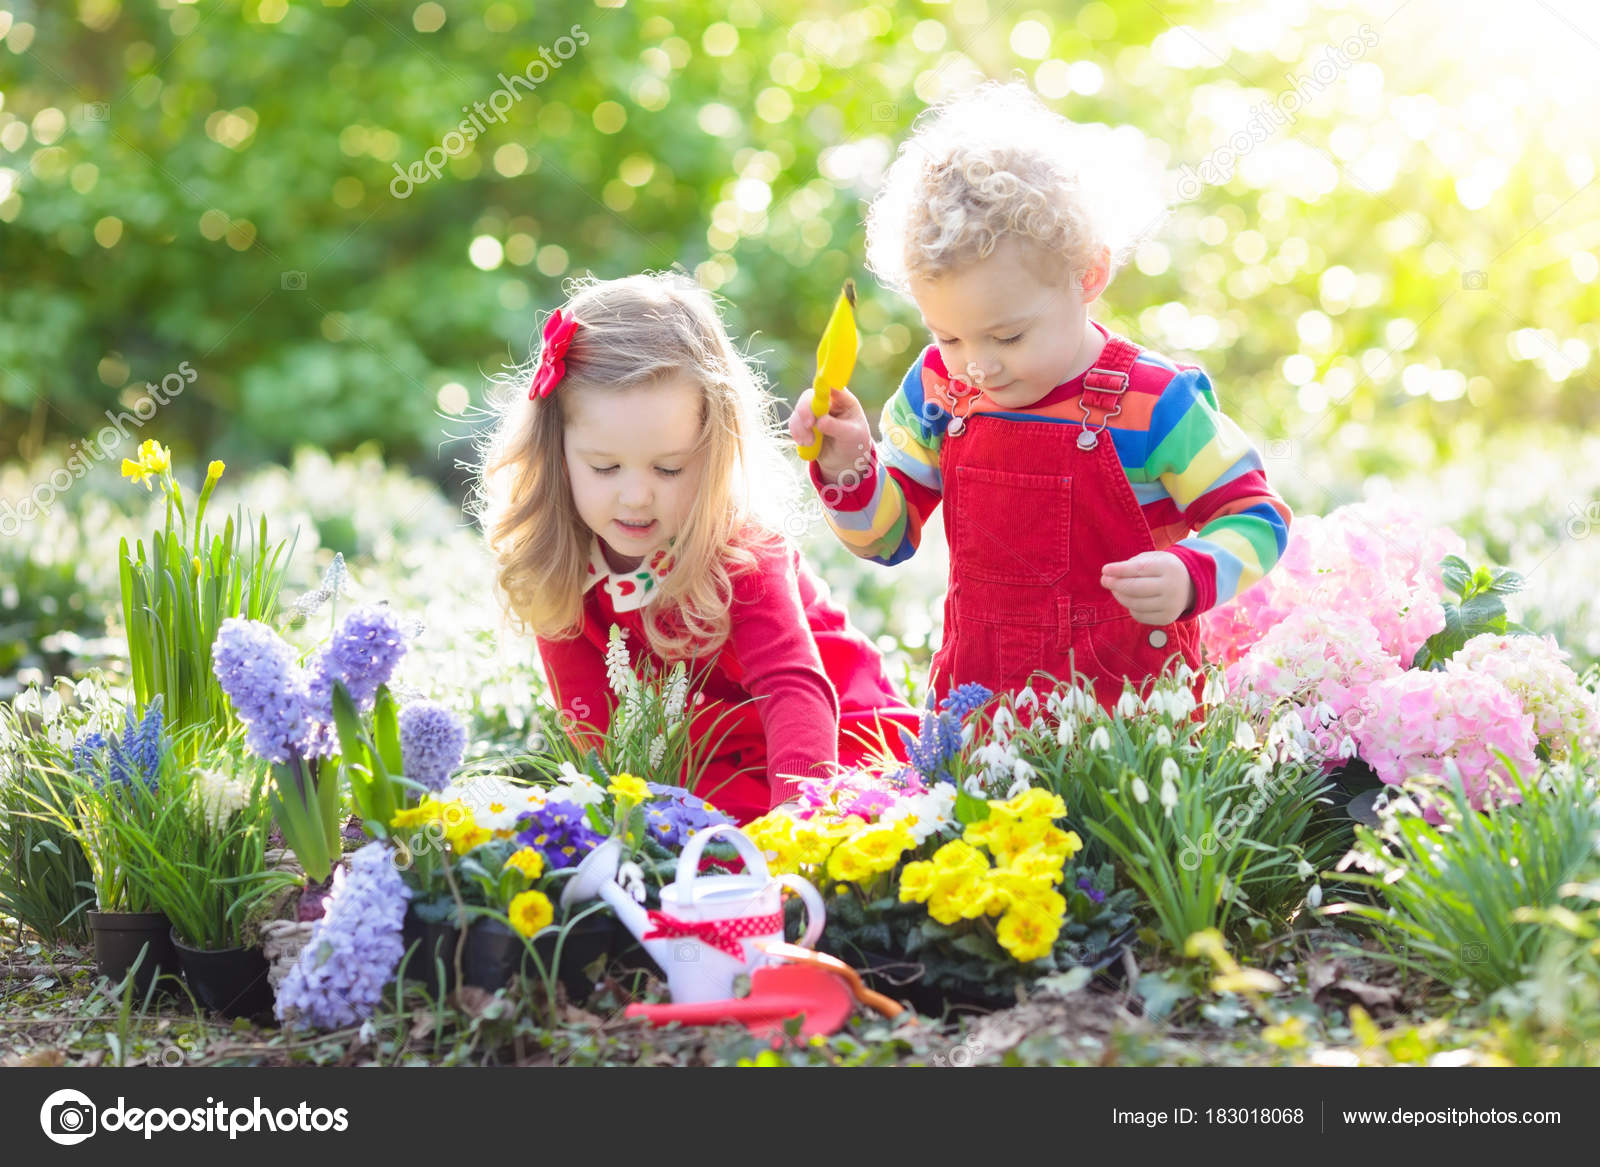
(1169, 771)
(1215, 690)
(1016, 788)
(1003, 723)
(1163, 736)
(974, 785)
(1169, 794)
(1256, 775)
(1022, 772)
(1314, 896)
(1244, 736)
(992, 756)
(1141, 792)
(1324, 713)
(1128, 705)
(1180, 704)
(967, 732)
(1028, 699)
(1054, 705)
(1100, 739)
(1066, 732)
(1347, 747)
(1304, 870)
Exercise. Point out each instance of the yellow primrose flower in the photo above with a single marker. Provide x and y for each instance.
(1027, 934)
(916, 882)
(1037, 863)
(530, 911)
(958, 857)
(848, 863)
(528, 861)
(424, 812)
(1034, 802)
(965, 899)
(464, 833)
(880, 848)
(811, 845)
(630, 787)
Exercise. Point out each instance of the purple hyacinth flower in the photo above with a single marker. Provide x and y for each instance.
(432, 742)
(258, 672)
(354, 949)
(363, 653)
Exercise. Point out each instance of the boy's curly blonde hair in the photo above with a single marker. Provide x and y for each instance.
(646, 329)
(996, 162)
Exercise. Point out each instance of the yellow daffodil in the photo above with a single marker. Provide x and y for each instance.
(629, 787)
(530, 912)
(1026, 933)
(154, 459)
(528, 861)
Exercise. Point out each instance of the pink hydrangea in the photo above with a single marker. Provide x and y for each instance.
(1421, 722)
(1312, 659)
(1374, 560)
(1533, 668)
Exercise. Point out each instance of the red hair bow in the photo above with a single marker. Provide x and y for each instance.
(558, 332)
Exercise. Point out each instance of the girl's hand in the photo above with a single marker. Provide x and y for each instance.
(846, 436)
(1154, 586)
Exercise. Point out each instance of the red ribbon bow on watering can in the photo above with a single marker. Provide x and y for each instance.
(723, 935)
(557, 336)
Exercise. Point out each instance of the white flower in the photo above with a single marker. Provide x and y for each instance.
(1022, 772)
(1027, 699)
(1170, 771)
(1100, 739)
(1215, 690)
(1180, 704)
(1004, 723)
(619, 673)
(1169, 792)
(1016, 789)
(495, 801)
(1314, 896)
(967, 732)
(573, 786)
(1128, 705)
(974, 785)
(1163, 736)
(1066, 732)
(658, 750)
(1141, 792)
(630, 877)
(1244, 736)
(220, 796)
(677, 694)
(924, 814)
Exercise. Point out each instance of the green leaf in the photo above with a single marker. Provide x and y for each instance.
(1161, 991)
(970, 809)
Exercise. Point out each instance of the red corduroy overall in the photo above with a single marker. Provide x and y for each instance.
(1033, 511)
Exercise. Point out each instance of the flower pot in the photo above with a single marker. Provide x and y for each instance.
(496, 954)
(430, 945)
(231, 982)
(120, 938)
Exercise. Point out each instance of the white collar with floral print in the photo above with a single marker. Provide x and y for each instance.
(629, 590)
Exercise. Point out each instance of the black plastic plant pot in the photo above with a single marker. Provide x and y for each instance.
(430, 945)
(231, 982)
(120, 937)
(495, 954)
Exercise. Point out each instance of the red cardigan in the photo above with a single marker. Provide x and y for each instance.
(821, 694)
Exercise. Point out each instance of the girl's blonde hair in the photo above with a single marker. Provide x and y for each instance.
(996, 162)
(641, 330)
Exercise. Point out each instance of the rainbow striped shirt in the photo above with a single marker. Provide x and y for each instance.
(1190, 466)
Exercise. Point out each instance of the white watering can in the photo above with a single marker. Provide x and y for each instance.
(710, 927)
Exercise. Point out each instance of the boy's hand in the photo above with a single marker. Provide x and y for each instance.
(1154, 586)
(846, 436)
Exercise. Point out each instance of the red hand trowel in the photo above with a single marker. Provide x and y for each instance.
(819, 986)
(777, 993)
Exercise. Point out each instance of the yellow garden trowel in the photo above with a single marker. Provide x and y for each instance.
(836, 360)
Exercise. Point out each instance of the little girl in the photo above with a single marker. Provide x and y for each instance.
(1072, 463)
(626, 484)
